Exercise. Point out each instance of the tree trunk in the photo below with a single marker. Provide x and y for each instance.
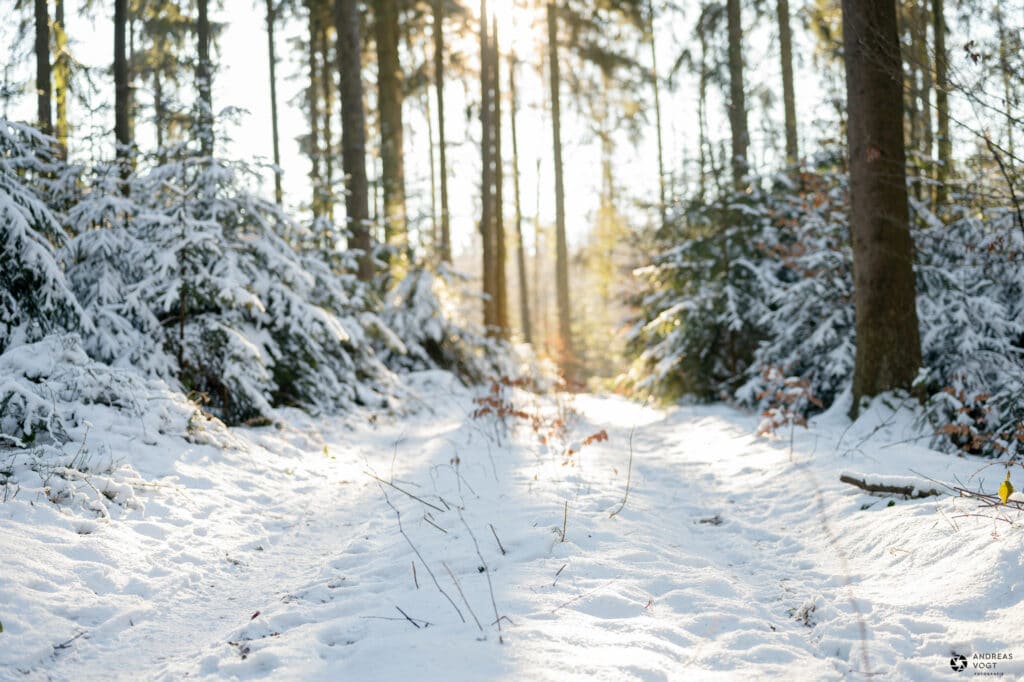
(1007, 75)
(159, 115)
(327, 91)
(945, 144)
(524, 294)
(434, 239)
(567, 358)
(43, 90)
(204, 78)
(353, 132)
(500, 243)
(313, 101)
(888, 343)
(924, 59)
(122, 135)
(446, 239)
(737, 103)
(61, 76)
(276, 137)
(662, 206)
(488, 269)
(788, 98)
(703, 147)
(389, 101)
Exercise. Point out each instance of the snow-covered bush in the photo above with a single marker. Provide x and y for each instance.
(971, 307)
(700, 315)
(196, 277)
(179, 276)
(805, 268)
(427, 333)
(34, 297)
(796, 300)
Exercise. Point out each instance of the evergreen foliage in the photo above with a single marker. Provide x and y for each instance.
(181, 273)
(756, 293)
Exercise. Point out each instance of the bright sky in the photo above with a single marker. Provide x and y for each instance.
(242, 81)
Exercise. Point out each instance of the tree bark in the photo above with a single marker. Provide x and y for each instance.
(204, 78)
(888, 343)
(488, 269)
(1007, 74)
(737, 102)
(500, 243)
(327, 91)
(276, 137)
(945, 144)
(122, 135)
(159, 114)
(662, 206)
(42, 49)
(313, 102)
(561, 246)
(353, 132)
(788, 97)
(61, 76)
(446, 239)
(524, 293)
(389, 100)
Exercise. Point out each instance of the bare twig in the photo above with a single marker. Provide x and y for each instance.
(428, 520)
(1009, 182)
(463, 595)
(495, 533)
(629, 471)
(407, 617)
(558, 573)
(565, 519)
(487, 573)
(584, 594)
(415, 580)
(401, 530)
(404, 492)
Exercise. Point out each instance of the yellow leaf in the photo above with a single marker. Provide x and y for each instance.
(1006, 489)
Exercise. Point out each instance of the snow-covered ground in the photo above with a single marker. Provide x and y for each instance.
(354, 549)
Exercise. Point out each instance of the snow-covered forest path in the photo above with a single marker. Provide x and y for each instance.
(282, 559)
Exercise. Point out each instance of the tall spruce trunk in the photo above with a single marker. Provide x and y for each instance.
(945, 144)
(500, 242)
(568, 355)
(446, 239)
(204, 78)
(662, 206)
(353, 132)
(1008, 75)
(434, 238)
(488, 269)
(327, 92)
(61, 76)
(788, 97)
(42, 48)
(524, 293)
(313, 102)
(275, 133)
(737, 101)
(122, 134)
(389, 101)
(888, 344)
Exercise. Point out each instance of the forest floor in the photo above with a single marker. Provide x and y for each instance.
(277, 553)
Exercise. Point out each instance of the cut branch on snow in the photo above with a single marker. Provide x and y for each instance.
(889, 486)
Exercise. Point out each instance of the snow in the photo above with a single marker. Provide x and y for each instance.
(275, 552)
